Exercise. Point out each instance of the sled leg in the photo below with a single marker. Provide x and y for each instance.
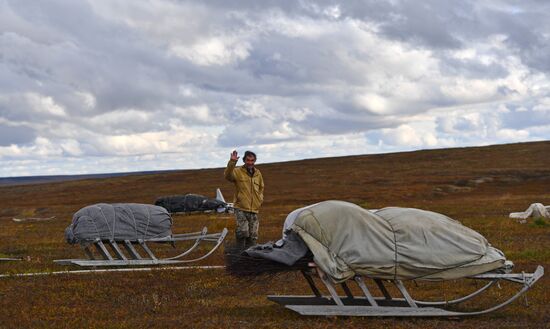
(330, 287)
(365, 290)
(147, 250)
(102, 250)
(117, 251)
(307, 276)
(405, 293)
(131, 250)
(382, 288)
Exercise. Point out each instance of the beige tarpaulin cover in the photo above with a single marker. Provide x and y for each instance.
(392, 243)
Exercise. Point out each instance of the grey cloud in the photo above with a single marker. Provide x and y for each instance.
(473, 69)
(441, 25)
(17, 135)
(305, 62)
(429, 23)
(96, 56)
(338, 124)
(251, 132)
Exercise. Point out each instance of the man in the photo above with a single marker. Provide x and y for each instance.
(249, 195)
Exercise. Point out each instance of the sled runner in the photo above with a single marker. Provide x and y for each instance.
(147, 257)
(386, 305)
(7, 259)
(130, 227)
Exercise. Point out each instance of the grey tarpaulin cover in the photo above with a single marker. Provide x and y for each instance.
(119, 221)
(292, 250)
(392, 243)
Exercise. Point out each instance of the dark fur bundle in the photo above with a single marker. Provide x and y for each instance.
(189, 203)
(238, 263)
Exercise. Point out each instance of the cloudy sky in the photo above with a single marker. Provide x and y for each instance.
(122, 85)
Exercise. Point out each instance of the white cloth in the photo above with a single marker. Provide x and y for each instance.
(392, 243)
(290, 218)
(535, 210)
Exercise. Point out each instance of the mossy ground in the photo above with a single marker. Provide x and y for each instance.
(477, 186)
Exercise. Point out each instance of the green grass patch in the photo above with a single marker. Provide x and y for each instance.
(529, 255)
(540, 222)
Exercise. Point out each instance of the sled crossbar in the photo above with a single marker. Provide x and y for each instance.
(387, 305)
(132, 257)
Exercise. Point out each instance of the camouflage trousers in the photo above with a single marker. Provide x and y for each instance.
(247, 225)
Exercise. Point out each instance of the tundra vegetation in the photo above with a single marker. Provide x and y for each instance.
(478, 186)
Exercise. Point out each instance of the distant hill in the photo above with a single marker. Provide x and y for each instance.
(25, 180)
(500, 156)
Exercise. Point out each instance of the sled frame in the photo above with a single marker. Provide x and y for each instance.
(389, 306)
(132, 257)
(7, 259)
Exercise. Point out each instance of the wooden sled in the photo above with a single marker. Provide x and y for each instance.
(131, 256)
(387, 305)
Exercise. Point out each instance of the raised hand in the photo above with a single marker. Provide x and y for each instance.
(234, 155)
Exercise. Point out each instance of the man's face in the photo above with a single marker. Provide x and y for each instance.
(249, 161)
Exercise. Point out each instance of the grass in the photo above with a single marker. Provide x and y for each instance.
(431, 180)
(540, 222)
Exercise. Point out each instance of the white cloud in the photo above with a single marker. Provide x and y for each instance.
(373, 103)
(121, 85)
(406, 136)
(45, 104)
(123, 120)
(213, 51)
(199, 114)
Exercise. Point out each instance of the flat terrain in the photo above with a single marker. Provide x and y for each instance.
(477, 186)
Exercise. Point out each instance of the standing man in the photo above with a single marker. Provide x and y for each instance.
(249, 195)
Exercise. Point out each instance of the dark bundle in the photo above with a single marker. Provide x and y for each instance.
(290, 255)
(189, 203)
(240, 263)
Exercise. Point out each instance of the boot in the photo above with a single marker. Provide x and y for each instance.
(250, 242)
(240, 243)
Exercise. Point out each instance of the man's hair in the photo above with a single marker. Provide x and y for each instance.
(249, 153)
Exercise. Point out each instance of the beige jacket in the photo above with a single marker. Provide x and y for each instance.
(249, 190)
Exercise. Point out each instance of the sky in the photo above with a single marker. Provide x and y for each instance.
(121, 85)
